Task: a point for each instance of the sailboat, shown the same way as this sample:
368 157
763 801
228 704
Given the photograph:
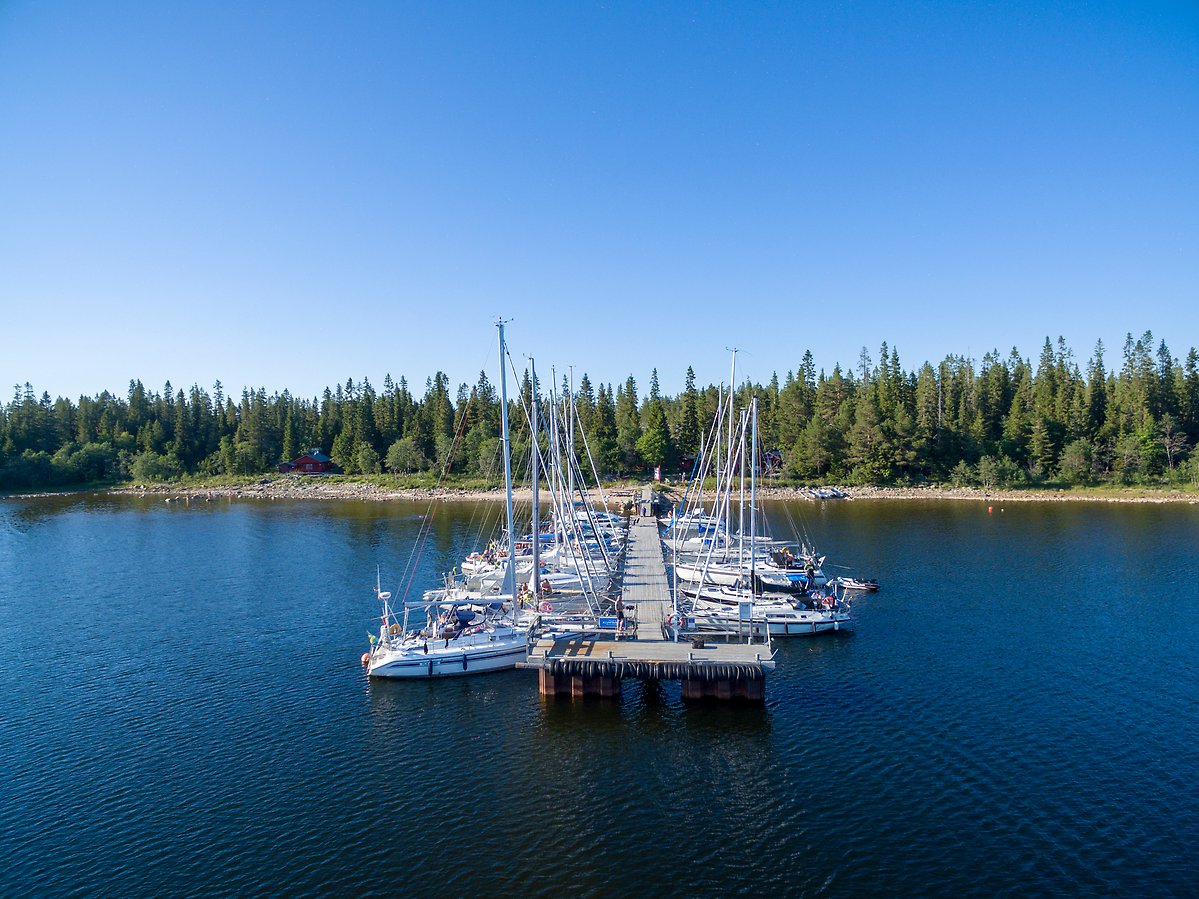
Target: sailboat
460 635
721 606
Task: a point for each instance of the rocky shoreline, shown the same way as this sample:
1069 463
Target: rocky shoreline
319 488
978 494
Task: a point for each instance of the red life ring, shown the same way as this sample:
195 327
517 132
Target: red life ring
546 607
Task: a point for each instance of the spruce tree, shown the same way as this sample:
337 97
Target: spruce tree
628 423
687 438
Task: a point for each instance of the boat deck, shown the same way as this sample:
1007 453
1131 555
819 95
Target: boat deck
584 661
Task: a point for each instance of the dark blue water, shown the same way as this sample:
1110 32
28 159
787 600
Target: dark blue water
183 711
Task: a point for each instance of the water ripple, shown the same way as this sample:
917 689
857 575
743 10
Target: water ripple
185 714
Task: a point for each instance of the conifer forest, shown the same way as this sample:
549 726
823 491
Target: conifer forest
1003 421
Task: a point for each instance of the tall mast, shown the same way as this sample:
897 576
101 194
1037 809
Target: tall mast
719 470
729 452
561 541
535 578
741 498
753 499
570 439
510 573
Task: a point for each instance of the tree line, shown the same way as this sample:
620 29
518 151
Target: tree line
1000 422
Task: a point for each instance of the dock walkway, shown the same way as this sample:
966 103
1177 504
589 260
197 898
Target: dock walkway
644 586
593 664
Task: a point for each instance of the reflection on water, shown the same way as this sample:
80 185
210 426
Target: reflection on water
185 712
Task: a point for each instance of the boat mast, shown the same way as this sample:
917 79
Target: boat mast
753 499
535 578
719 470
510 573
741 499
729 451
570 439
554 474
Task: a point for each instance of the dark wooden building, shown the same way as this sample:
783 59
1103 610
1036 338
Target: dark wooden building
312 462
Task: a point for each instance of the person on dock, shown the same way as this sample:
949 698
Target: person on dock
619 616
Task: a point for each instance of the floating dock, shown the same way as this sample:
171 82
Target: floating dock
580 665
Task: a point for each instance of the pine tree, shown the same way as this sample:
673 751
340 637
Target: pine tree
290 448
1188 400
654 444
628 423
585 403
603 435
687 438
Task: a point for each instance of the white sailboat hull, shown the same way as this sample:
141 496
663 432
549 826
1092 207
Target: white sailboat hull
790 579
781 619
412 661
799 625
716 574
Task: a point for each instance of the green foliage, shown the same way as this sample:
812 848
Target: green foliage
1009 472
490 459
654 444
687 435
999 471
962 475
152 466
405 456
1000 422
628 424
367 458
1190 471
1077 462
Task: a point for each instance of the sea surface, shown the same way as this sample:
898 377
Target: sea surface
183 712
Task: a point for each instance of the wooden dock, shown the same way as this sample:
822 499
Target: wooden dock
594 664
644 588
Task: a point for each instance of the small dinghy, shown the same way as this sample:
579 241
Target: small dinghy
864 585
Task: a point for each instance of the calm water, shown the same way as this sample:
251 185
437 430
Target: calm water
183 712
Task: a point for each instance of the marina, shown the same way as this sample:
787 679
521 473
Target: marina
580 665
618 615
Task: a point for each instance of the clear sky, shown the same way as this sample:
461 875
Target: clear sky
288 195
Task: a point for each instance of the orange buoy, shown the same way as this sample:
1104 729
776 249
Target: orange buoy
988 510
366 659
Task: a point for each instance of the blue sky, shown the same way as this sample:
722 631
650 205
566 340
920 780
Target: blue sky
287 195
